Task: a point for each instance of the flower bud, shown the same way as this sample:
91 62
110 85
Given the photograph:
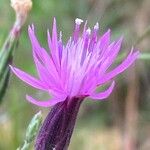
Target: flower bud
21 7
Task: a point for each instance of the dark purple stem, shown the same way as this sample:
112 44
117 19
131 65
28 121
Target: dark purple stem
58 126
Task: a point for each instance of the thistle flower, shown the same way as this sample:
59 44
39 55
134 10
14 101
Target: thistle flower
77 68
71 73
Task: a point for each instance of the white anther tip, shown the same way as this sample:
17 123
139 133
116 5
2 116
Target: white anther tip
78 21
60 35
88 31
96 27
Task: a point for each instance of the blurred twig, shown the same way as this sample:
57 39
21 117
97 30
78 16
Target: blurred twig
31 131
4 82
131 111
142 56
143 36
6 54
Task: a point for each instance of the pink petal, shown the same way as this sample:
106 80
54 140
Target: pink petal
47 103
48 77
29 79
110 55
53 45
41 55
123 66
35 44
104 42
39 52
113 52
103 95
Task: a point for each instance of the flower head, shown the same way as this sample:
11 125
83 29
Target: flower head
77 68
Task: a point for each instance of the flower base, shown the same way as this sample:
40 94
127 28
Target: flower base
58 126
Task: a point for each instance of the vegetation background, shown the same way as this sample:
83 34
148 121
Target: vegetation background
121 122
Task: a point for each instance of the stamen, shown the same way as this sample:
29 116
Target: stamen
96 27
94 37
60 36
77 28
84 28
86 44
87 38
78 21
88 31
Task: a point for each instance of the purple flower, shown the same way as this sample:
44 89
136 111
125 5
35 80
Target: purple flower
77 68
71 73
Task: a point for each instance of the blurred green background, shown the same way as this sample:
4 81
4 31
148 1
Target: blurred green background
121 122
